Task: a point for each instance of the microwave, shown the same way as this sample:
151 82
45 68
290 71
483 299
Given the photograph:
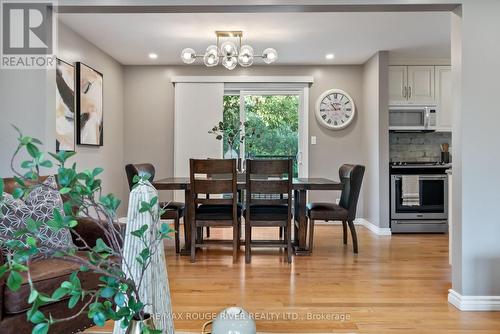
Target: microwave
413 118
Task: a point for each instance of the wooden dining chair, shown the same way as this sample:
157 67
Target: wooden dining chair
173 210
268 177
215 199
351 177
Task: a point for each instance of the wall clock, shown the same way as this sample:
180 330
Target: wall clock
335 109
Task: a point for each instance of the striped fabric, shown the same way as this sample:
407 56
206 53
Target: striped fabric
154 290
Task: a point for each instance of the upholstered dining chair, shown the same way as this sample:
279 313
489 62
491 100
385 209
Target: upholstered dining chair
269 177
214 191
173 210
351 177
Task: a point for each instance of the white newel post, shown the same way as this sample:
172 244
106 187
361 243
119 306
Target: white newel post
154 290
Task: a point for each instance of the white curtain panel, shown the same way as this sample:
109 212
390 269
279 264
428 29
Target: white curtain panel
154 290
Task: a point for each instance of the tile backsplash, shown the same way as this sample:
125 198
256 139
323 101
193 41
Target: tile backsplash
417 146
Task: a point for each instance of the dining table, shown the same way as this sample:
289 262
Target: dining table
301 186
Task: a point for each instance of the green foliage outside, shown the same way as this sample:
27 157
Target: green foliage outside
274 117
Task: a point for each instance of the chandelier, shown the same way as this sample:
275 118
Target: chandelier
229 53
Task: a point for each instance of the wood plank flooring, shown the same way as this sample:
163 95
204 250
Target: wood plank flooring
396 284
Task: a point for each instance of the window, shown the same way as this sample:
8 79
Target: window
272 125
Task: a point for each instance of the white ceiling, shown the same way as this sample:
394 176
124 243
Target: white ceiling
299 38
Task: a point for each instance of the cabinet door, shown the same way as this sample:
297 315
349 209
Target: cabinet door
398 78
421 84
444 98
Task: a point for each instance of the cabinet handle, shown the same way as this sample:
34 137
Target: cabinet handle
409 92
404 92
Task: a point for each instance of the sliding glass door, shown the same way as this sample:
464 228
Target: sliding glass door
272 122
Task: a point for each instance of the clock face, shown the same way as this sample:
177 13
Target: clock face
335 109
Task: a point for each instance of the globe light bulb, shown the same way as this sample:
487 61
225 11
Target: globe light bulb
228 49
229 62
245 58
269 55
188 56
211 57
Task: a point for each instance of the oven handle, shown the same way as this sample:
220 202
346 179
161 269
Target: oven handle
425 177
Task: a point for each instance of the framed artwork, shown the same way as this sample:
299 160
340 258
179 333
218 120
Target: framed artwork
89 105
65 106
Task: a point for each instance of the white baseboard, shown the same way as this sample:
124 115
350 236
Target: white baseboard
363 222
473 303
374 228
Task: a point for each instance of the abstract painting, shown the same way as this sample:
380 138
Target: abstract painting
89 104
65 106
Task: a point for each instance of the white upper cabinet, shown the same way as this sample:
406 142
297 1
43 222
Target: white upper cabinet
444 98
411 85
398 79
421 85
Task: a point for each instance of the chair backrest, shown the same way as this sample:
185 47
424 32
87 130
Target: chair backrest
269 177
214 177
137 169
351 177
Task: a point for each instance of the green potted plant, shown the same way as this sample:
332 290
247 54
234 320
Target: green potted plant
117 296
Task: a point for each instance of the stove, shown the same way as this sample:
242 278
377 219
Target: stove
419 196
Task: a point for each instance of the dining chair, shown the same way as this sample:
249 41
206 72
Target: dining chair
214 192
351 177
173 210
268 177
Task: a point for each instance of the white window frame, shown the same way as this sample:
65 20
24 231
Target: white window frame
300 89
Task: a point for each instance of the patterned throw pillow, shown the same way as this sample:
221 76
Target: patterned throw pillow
38 205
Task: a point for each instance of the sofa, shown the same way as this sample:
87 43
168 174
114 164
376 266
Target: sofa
47 275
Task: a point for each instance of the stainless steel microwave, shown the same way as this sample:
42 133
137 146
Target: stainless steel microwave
413 118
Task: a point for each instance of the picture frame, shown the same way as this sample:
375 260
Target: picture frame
65 106
89 105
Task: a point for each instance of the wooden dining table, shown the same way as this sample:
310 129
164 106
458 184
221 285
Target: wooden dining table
301 186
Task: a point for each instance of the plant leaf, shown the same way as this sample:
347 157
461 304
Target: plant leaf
42 328
14 281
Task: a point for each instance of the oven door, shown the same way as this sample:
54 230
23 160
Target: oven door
431 204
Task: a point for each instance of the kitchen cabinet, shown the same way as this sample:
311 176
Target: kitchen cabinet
444 98
411 85
421 84
398 80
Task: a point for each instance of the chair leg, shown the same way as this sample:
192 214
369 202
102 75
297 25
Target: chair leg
239 234
289 241
200 234
311 235
281 233
248 239
177 237
193 242
344 227
354 237
235 241
208 231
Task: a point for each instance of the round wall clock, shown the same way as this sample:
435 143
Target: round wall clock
335 109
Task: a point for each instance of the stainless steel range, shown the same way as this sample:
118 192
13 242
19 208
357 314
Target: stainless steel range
419 197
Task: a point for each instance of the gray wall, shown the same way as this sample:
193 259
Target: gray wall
476 258
24 99
149 112
72 48
375 141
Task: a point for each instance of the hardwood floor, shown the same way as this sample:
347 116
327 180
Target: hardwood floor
396 284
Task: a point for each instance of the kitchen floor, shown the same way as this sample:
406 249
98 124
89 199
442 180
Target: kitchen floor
396 284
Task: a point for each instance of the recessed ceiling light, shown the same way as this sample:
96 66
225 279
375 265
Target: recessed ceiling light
153 56
330 56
